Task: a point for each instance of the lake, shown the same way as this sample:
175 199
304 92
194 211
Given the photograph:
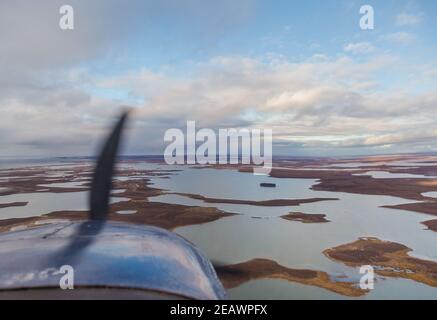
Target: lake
259 232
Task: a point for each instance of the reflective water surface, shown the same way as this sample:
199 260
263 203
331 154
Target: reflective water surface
260 232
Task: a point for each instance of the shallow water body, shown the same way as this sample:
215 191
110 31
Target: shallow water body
260 232
294 244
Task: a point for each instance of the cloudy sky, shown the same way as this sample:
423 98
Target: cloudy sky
303 68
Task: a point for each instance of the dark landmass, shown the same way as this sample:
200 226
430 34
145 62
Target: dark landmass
423 170
429 207
234 275
431 224
164 215
389 259
305 217
346 181
7 224
396 187
267 203
137 190
13 204
422 207
31 180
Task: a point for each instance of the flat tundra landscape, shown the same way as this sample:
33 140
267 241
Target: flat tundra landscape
302 232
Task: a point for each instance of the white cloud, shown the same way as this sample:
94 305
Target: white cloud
359 48
311 104
50 107
405 19
329 103
401 37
